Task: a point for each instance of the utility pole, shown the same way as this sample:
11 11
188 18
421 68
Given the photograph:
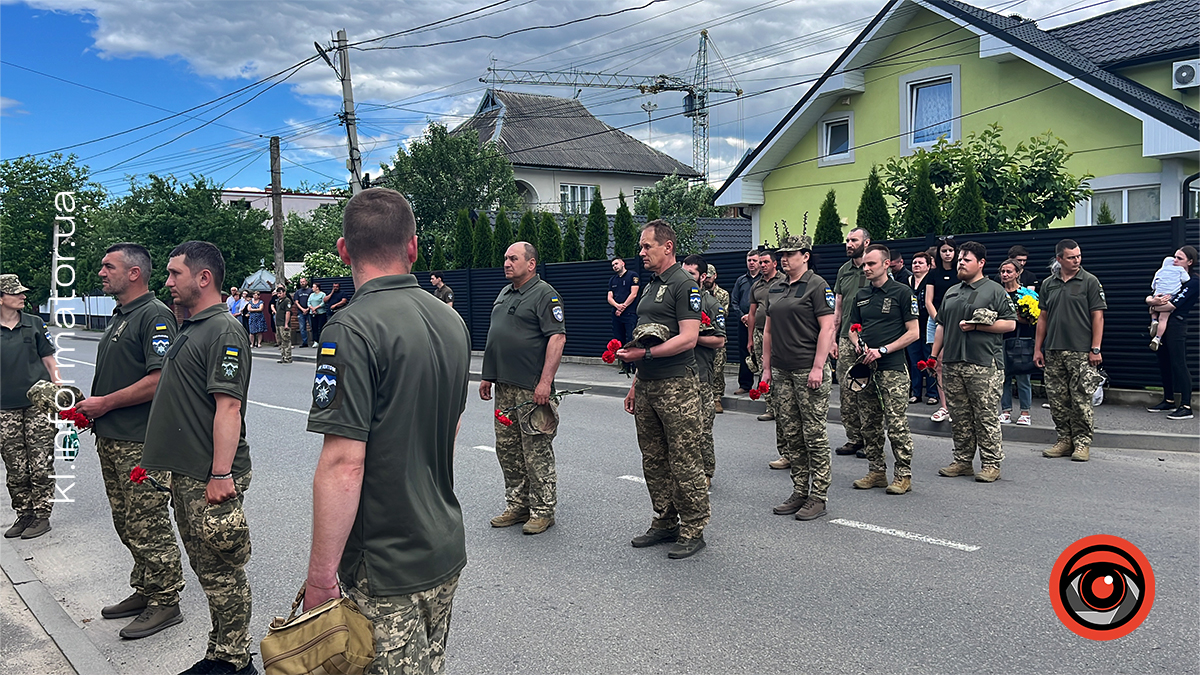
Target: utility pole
277 209
354 164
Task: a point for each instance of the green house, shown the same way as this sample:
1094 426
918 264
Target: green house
1115 87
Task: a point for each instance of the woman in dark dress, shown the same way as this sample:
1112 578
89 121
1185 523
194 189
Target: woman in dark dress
1172 355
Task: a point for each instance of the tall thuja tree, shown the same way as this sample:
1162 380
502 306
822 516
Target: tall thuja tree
528 230
482 241
464 248
967 213
419 265
550 239
571 250
873 208
595 235
502 238
439 257
923 215
625 234
829 225
652 209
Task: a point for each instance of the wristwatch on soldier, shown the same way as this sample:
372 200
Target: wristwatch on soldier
1095 350
883 350
648 356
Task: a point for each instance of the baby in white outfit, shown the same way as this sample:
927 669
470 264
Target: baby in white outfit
1167 281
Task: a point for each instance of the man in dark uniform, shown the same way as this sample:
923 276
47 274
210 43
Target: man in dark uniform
711 339
622 295
887 311
665 398
303 317
850 279
524 348
129 362
390 388
440 290
283 323
337 300
196 443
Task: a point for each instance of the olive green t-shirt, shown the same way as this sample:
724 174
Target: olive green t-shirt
523 320
959 304
883 312
758 295
850 279
21 351
1071 303
445 294
281 306
133 346
669 298
706 356
392 371
210 355
794 309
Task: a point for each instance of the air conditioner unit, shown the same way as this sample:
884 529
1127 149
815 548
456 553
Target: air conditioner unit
1185 74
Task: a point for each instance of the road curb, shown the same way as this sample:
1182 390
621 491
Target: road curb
80 652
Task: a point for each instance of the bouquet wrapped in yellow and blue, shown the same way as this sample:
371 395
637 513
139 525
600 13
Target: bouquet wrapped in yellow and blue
1027 305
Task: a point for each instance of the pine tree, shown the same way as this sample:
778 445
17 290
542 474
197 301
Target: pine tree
464 249
1104 215
595 235
482 240
550 238
966 215
502 238
652 210
873 208
923 215
571 251
528 230
419 265
625 234
829 225
439 258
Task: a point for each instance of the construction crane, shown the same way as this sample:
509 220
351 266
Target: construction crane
695 101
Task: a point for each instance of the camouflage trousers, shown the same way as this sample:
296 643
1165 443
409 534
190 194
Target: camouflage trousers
758 358
668 420
851 403
410 630
527 461
284 336
708 413
884 403
800 416
219 562
142 517
27 445
1070 405
972 395
718 377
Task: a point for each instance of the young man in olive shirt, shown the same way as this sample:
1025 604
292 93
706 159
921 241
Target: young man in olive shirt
887 311
196 437
441 290
523 350
665 399
850 279
390 388
283 323
768 266
129 362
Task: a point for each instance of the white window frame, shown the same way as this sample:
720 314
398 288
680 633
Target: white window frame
638 190
1123 183
565 201
909 83
823 156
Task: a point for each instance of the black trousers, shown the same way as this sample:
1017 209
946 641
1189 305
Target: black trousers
623 325
1173 363
745 377
318 322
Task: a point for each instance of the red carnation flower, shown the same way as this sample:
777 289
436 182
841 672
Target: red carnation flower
613 345
138 475
609 356
75 417
764 387
922 365
503 419
856 327
755 394
704 320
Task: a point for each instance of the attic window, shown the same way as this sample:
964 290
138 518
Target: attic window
836 140
929 107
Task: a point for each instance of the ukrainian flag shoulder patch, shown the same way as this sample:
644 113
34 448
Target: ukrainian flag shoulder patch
232 351
328 349
160 326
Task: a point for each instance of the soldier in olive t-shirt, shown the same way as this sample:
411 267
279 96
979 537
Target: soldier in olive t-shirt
134 345
958 305
522 321
668 298
883 313
793 310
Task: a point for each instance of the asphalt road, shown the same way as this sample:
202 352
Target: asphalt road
769 595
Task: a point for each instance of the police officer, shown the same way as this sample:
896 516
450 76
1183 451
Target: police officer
622 297
283 323
524 348
665 398
768 275
196 444
441 290
26 356
390 387
1069 332
712 334
969 348
129 362
850 279
798 340
887 311
720 358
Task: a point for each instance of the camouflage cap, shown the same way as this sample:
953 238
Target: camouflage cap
223 527
712 272
10 284
983 316
49 399
647 335
795 242
539 419
1091 379
860 375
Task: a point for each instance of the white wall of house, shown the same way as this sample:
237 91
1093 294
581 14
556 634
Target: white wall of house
542 187
301 203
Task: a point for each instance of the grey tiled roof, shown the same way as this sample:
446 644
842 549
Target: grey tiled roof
1146 30
551 132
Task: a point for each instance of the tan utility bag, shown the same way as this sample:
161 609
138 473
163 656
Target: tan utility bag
333 639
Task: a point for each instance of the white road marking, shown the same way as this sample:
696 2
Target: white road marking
925 539
485 448
63 358
635 479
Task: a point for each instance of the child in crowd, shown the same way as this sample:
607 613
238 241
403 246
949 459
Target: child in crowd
1167 282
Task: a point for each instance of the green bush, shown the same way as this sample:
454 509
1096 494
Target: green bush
502 237
595 235
829 225
550 238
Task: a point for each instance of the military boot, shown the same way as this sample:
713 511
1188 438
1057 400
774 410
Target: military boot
791 505
957 469
873 479
655 536
1081 454
781 463
37 528
537 525
717 407
686 548
19 526
988 474
849 448
510 517
152 619
131 606
900 485
1062 448
813 508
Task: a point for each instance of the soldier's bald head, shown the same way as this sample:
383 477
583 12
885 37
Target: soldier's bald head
377 225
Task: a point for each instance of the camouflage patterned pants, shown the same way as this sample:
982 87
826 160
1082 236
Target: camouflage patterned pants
284 336
530 481
708 411
972 394
142 516
851 403
1070 405
718 377
667 417
410 630
220 565
27 444
800 416
758 358
889 413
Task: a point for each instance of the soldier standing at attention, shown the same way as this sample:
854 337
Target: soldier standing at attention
1069 332
197 435
665 398
887 310
970 352
129 362
524 348
27 442
283 323
850 279
799 338
768 274
739 312
390 388
441 290
720 358
622 294
712 334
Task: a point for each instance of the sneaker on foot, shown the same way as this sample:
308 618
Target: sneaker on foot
813 508
766 417
152 619
740 392
655 536
793 504
1165 406
1024 420
1181 413
131 606
37 528
849 448
1006 417
686 548
1154 343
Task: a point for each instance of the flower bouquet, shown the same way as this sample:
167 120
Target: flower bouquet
610 351
757 392
1027 305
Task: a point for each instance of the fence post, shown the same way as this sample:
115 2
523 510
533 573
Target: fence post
1178 235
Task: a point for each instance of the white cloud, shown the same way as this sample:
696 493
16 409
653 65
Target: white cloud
10 107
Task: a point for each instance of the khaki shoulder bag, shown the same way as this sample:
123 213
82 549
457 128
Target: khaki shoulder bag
333 639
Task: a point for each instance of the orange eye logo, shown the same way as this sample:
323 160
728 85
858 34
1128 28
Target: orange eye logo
1102 587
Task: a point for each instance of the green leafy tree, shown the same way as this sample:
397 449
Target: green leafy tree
529 229
923 215
595 235
319 264
681 204
872 208
571 249
439 257
464 245
649 208
550 239
317 230
966 215
484 253
625 233
502 236
1104 215
829 225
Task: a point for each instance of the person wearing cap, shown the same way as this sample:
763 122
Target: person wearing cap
522 354
26 356
768 268
129 364
720 358
390 388
799 338
887 311
196 438
282 309
710 340
969 347
850 279
665 397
